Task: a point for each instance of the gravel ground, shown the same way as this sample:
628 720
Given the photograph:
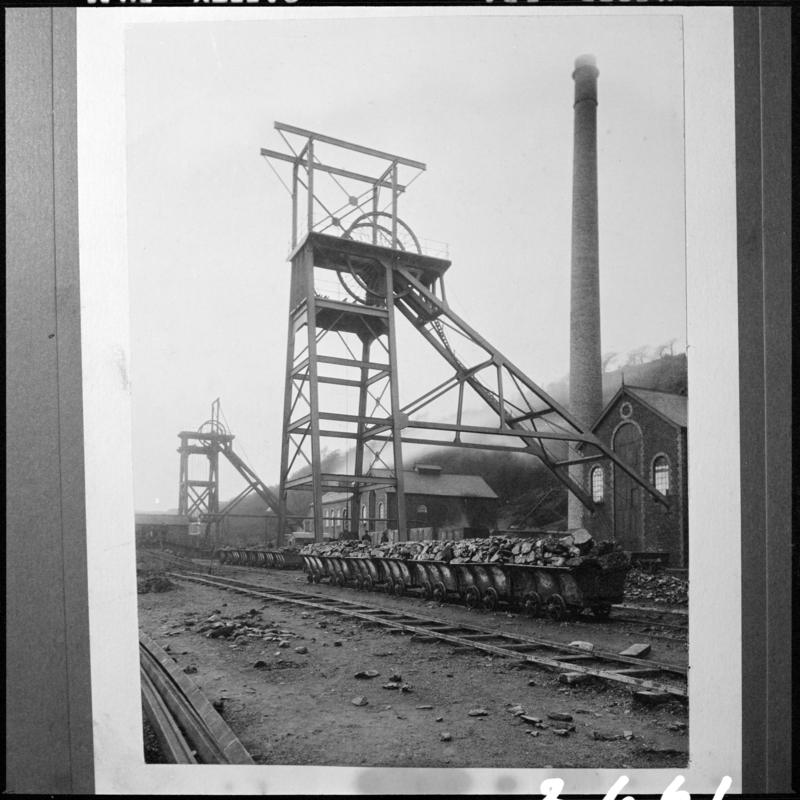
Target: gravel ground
291 706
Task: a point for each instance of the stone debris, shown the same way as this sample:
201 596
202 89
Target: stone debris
359 701
560 731
606 737
368 673
532 733
637 650
677 726
439 719
569 549
560 717
588 646
190 670
478 712
445 736
627 735
515 710
424 708
392 685
241 629
656 587
301 650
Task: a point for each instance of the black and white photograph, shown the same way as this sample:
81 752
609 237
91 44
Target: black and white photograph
407 392
452 378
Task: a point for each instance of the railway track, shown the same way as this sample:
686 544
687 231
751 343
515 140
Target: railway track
633 673
664 618
188 729
670 622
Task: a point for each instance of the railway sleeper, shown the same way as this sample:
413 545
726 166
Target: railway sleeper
467 638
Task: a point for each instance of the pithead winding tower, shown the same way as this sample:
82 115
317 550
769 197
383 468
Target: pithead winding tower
354 265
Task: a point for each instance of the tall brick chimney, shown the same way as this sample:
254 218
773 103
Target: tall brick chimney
585 377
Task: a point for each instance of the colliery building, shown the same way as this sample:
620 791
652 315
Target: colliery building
647 430
158 529
439 505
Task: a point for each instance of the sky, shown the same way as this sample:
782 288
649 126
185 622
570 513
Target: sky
485 102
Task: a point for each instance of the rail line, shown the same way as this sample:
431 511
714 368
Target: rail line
632 614
666 618
633 673
186 725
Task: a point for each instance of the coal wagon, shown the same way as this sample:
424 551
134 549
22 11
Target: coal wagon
555 591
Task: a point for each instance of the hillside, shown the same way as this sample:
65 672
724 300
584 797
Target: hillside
665 374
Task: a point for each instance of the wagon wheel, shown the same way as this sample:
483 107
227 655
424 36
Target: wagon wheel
533 604
601 610
427 590
439 592
556 608
366 584
399 588
490 599
472 597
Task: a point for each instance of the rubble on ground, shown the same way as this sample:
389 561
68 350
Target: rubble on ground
656 587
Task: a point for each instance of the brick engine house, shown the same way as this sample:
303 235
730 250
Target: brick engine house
647 429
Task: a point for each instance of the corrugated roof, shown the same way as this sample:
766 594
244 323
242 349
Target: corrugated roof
445 485
671 406
334 497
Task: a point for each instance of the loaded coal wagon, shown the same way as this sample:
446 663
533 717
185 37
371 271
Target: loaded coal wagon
564 581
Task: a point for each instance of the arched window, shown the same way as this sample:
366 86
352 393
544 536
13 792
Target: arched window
661 474
380 510
597 484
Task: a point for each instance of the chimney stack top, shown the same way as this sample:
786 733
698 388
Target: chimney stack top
585 77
